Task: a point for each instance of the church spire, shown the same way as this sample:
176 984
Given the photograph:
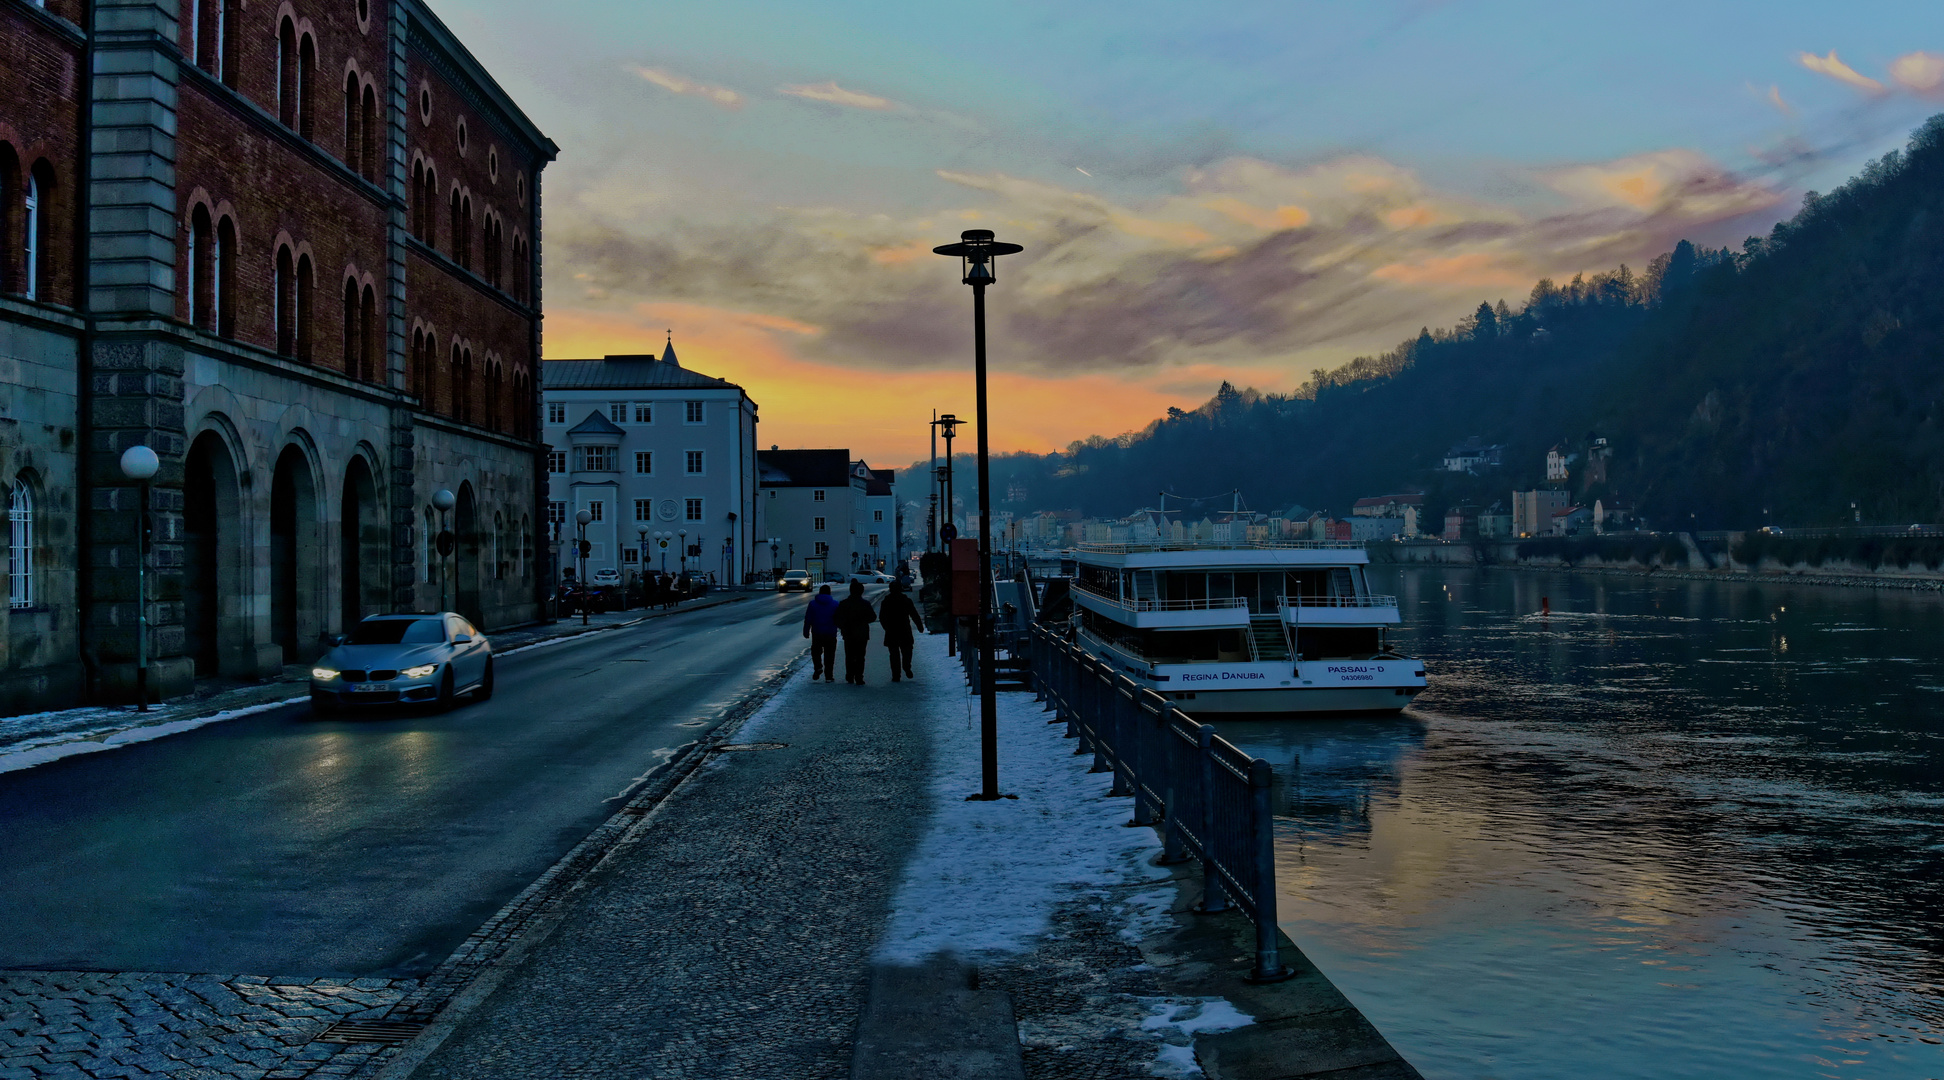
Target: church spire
668 352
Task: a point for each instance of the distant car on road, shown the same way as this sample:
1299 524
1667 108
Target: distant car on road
606 575
424 658
872 577
794 579
1772 530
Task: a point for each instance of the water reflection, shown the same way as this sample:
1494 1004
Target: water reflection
1665 829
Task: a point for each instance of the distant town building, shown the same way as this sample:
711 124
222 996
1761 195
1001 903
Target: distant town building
880 527
644 444
1494 523
1532 511
1461 523
1376 528
1571 520
1386 505
818 506
1559 465
1614 516
1472 455
1597 452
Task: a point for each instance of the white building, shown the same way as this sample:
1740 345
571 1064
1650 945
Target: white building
818 507
881 530
642 443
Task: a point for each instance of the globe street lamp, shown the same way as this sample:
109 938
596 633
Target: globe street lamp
442 501
977 253
948 425
139 463
581 518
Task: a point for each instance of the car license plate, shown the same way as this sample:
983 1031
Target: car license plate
371 688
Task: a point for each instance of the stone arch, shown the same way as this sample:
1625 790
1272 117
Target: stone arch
296 555
466 555
216 556
364 559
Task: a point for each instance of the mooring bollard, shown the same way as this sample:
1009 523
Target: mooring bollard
1262 827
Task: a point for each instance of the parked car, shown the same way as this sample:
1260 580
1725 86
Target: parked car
795 579
417 658
606 575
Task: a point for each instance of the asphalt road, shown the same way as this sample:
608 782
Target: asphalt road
279 844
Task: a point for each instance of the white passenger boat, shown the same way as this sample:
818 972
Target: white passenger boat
1258 627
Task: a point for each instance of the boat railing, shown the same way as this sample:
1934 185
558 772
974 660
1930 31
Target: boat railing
1131 604
1211 801
1140 546
1373 600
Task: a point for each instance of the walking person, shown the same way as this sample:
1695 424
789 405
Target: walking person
820 626
899 617
854 619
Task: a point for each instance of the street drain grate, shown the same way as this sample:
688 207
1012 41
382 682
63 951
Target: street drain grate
729 747
388 1032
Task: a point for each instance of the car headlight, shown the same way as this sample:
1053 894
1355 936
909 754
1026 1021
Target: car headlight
420 671
323 674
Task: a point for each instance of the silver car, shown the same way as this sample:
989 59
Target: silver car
404 658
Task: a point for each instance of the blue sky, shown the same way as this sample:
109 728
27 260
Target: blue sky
1244 191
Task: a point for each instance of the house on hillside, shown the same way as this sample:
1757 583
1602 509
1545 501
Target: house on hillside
1461 523
1494 523
1532 511
1571 521
1471 456
1614 516
1559 464
1391 506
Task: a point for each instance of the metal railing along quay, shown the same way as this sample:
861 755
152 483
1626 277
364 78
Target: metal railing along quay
1211 800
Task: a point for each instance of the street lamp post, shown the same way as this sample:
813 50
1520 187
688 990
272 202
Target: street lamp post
949 425
139 463
977 252
442 501
553 583
642 532
661 543
681 554
581 518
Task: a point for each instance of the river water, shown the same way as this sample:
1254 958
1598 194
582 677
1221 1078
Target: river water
1672 829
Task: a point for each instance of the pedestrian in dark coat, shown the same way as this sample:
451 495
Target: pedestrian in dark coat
900 619
854 619
820 626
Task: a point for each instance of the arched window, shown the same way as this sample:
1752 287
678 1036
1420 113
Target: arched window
463 242
353 339
460 384
306 314
306 76
284 298
428 368
493 395
354 135
223 47
20 545
431 236
370 371
520 266
30 247
368 124
287 73
493 251
203 259
222 280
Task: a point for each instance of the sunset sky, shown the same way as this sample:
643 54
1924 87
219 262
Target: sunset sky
1243 191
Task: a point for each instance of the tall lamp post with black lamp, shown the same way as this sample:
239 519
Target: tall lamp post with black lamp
681 556
977 253
139 463
442 501
581 518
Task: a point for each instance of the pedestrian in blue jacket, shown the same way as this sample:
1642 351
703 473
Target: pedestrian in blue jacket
820 626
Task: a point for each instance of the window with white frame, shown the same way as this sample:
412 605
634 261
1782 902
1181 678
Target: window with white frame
692 510
874 541
20 545
877 515
823 549
695 462
618 411
556 412
630 556
597 458
595 510
644 412
32 239
817 524
556 461
694 411
644 509
645 462
556 513
817 495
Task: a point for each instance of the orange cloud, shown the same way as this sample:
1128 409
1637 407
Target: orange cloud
1836 69
682 84
880 416
1282 217
1412 217
833 94
1476 269
1921 72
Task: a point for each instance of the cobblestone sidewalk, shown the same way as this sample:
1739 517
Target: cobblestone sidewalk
77 1024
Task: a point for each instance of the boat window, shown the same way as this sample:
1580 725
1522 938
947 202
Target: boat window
1340 582
1187 586
1268 592
1144 585
1221 586
1308 583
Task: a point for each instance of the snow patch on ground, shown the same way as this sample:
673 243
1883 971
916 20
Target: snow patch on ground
87 734
1178 1020
986 877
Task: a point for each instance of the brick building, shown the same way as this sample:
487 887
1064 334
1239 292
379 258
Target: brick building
306 273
